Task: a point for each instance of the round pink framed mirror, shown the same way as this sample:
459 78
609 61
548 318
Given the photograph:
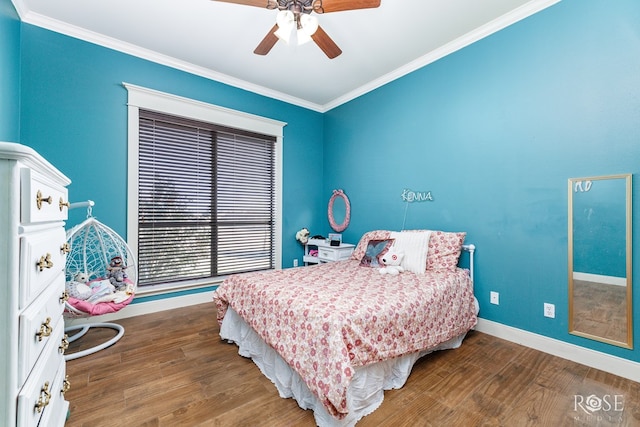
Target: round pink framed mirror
341 197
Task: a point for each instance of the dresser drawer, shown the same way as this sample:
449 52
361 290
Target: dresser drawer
334 253
42 200
40 323
55 414
41 260
36 396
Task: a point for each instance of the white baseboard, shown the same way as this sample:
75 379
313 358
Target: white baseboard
605 362
149 307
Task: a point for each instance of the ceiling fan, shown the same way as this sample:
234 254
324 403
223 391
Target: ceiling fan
296 15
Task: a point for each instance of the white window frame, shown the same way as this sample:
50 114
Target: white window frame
149 99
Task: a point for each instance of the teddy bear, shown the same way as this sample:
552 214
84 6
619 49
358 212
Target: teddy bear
116 273
78 288
392 261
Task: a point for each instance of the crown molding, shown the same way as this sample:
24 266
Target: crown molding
492 27
486 30
57 26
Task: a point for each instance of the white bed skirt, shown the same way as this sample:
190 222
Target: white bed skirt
365 393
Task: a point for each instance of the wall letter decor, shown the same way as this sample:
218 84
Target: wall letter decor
416 196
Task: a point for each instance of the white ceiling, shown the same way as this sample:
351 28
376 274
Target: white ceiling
216 40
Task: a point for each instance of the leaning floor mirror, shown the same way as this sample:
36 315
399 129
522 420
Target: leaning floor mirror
600 259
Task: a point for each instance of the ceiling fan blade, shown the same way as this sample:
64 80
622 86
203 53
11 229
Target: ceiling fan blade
267 42
340 5
257 3
324 42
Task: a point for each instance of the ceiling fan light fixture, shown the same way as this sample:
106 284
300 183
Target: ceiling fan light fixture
285 18
297 15
309 24
286 22
283 34
302 37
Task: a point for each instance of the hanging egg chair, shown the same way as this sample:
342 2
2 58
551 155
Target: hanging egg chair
101 277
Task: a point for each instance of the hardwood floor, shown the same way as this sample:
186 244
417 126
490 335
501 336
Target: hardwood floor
172 369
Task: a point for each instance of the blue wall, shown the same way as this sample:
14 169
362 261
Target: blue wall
494 131
9 72
74 114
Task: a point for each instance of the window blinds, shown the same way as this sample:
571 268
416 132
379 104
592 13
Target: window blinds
206 200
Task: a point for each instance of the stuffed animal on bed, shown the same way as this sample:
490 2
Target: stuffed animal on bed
392 261
116 273
78 288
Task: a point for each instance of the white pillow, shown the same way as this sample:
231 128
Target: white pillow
415 245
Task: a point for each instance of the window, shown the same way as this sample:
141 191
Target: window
206 194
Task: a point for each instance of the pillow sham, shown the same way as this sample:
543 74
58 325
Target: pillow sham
444 250
361 247
374 252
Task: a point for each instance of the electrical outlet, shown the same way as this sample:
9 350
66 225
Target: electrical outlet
549 310
495 298
295 262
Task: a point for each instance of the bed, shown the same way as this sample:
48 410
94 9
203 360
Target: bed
334 336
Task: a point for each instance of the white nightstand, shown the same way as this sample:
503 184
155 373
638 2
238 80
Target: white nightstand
326 252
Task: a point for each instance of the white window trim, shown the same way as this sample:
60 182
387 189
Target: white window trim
149 99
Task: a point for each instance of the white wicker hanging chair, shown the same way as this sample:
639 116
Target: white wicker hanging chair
92 246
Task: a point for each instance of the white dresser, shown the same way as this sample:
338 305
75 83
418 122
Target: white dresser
33 208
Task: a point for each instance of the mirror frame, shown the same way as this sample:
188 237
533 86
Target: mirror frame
628 245
339 228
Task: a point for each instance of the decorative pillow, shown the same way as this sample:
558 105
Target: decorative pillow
361 247
414 245
374 253
444 250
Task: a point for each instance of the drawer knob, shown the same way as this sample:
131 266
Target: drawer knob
40 199
64 297
64 344
45 262
65 248
45 329
62 204
66 384
45 397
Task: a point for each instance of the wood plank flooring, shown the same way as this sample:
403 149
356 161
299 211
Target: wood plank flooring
172 369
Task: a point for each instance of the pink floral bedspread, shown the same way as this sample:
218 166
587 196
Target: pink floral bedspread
327 319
